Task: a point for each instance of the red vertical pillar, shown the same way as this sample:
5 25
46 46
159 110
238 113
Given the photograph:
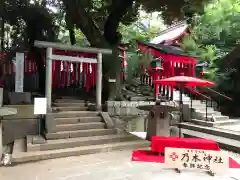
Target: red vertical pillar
180 68
62 68
87 77
124 64
66 74
83 74
57 73
71 70
53 75
173 74
94 73
190 69
156 85
77 73
74 73
164 76
193 70
90 75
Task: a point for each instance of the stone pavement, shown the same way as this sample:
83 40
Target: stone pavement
105 166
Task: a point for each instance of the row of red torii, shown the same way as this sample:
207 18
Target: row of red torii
64 73
171 65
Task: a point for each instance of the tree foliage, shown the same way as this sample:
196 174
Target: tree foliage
215 33
98 20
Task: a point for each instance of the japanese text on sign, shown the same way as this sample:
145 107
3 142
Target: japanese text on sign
216 161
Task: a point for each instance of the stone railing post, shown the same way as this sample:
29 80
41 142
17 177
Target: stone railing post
99 83
48 88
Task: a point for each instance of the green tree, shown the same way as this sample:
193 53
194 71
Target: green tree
215 33
97 20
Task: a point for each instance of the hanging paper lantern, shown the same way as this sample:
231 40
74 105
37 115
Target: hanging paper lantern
71 67
62 66
90 68
81 67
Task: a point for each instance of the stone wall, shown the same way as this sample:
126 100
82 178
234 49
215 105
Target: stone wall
125 108
126 116
20 125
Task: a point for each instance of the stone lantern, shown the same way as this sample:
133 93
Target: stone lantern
159 119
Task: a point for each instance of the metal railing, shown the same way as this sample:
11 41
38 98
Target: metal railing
216 98
218 93
204 97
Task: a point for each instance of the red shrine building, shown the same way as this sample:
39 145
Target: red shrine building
170 60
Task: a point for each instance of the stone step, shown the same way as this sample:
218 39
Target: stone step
214 124
70 97
64 104
80 126
141 98
71 108
223 142
22 157
69 100
234 135
200 108
202 114
75 120
80 133
72 114
19 145
217 118
79 141
194 102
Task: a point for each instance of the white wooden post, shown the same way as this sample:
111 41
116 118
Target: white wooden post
99 83
19 72
48 85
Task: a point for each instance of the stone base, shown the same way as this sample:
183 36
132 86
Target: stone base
19 98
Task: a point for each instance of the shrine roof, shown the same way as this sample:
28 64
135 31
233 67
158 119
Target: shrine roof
166 49
171 33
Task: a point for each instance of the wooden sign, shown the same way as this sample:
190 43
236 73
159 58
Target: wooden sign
40 106
206 160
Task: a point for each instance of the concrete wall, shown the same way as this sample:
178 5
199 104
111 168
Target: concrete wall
20 125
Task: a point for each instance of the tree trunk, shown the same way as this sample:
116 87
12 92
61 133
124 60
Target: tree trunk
2 4
86 24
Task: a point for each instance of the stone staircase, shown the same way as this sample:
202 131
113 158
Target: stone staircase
222 129
211 127
78 131
214 118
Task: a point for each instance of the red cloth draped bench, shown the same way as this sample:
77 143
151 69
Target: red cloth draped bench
159 143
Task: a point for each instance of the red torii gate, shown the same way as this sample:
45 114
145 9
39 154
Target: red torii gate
173 61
